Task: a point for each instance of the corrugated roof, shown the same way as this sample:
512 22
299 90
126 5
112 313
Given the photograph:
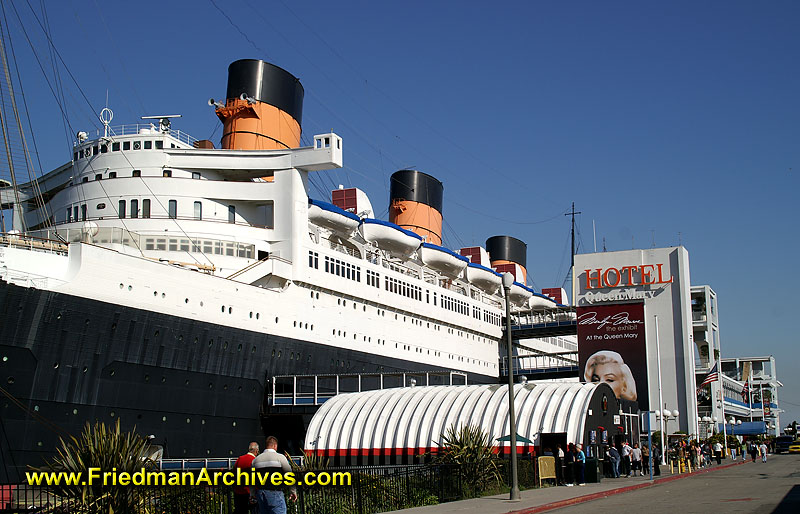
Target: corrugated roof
390 421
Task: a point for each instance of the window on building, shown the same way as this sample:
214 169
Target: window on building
146 208
103 148
75 211
137 173
69 215
85 179
196 175
99 176
126 145
83 212
122 208
115 147
159 145
198 210
112 174
173 209
231 214
148 145
134 208
167 173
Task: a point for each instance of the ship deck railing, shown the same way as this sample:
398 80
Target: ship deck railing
145 129
33 243
314 390
541 363
210 463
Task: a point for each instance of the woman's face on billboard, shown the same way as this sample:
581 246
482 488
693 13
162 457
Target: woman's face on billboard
611 374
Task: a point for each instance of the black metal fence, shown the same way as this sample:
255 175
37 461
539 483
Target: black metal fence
372 489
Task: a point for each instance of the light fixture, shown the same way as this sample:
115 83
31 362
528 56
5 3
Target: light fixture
675 413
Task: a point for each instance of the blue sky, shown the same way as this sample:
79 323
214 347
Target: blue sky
662 121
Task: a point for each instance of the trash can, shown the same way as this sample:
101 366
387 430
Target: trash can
592 472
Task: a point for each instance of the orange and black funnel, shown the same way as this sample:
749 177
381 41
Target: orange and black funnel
415 203
263 108
505 252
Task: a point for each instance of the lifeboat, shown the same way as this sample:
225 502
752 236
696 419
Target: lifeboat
445 261
396 240
485 279
333 218
519 294
540 302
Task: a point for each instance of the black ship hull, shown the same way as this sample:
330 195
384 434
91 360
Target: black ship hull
197 387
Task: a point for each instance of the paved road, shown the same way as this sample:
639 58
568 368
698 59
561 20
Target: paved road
751 487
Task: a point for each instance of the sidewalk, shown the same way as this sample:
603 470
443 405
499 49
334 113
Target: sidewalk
550 498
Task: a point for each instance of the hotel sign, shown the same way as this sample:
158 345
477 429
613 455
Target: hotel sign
626 276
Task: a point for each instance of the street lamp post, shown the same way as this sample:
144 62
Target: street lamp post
508 280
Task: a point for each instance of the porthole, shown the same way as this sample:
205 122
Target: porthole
113 325
225 345
185 300
276 320
233 424
365 308
230 310
312 295
130 288
155 293
38 443
273 353
279 354
257 316
74 411
253 350
201 304
223 309
317 296
338 301
11 380
112 372
312 327
225 387
295 324
155 334
239 349
36 408
251 314
55 365
112 413
211 343
188 420
163 418
210 385
163 379
163 295
239 389
186 382
344 303
147 378
306 326
121 286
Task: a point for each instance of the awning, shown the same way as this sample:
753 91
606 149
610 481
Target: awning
746 428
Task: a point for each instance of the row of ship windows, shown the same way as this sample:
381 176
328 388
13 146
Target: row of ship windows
147 144
414 321
136 173
74 214
393 285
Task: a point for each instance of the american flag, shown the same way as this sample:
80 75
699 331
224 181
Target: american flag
746 389
712 376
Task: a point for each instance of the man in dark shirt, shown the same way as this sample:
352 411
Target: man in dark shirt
241 494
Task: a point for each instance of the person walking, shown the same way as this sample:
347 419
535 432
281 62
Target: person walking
559 465
753 450
646 457
569 465
718 452
626 459
763 450
615 459
241 493
733 446
636 459
656 456
580 464
270 498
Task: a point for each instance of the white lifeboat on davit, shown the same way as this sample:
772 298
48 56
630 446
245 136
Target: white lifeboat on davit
333 218
396 240
445 261
485 279
538 302
519 294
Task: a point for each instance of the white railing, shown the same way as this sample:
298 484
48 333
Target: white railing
146 129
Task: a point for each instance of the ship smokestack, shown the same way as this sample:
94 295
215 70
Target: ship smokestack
506 253
263 107
415 203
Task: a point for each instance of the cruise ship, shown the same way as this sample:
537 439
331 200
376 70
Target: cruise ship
162 281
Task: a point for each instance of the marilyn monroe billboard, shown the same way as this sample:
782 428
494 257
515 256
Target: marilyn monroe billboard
611 349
